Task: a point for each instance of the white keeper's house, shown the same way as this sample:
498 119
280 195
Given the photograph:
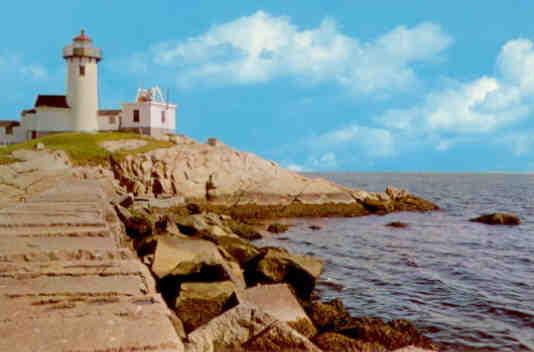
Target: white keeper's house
78 111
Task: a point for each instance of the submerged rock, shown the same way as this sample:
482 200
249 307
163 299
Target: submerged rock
199 302
277 265
278 228
498 219
397 224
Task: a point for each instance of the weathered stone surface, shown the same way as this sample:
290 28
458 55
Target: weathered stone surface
179 256
392 335
241 250
278 301
280 337
328 316
333 342
66 282
230 330
199 302
498 219
276 265
207 224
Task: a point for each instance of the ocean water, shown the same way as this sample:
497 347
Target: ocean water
469 286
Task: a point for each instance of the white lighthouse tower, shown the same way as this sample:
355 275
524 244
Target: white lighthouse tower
82 82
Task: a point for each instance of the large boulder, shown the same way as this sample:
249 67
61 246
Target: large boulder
276 265
199 302
230 330
207 224
498 219
182 257
280 337
278 301
333 342
241 250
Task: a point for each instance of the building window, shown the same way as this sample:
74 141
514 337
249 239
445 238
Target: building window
136 116
163 116
9 129
82 70
112 120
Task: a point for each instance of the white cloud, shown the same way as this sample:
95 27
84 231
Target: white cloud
14 65
481 107
262 47
375 142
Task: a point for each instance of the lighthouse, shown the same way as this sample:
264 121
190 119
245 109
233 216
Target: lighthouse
82 82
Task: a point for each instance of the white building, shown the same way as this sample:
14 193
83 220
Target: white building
78 110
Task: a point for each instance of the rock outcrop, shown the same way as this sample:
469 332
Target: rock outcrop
219 175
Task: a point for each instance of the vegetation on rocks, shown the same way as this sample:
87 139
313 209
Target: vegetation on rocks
85 148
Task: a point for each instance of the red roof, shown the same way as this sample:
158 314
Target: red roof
82 37
52 101
9 123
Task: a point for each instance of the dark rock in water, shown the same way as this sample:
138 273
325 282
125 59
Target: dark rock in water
498 219
331 341
276 265
397 224
199 302
315 227
392 335
278 228
328 316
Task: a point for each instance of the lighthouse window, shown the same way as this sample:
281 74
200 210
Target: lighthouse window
163 117
82 70
136 116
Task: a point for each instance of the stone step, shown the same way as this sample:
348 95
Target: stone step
51 221
24 245
23 270
47 231
12 308
85 285
104 332
70 255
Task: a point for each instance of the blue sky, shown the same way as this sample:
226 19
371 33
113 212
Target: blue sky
314 85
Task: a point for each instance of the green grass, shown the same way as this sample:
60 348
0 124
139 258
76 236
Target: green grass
84 148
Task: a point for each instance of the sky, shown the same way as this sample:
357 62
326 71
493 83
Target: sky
381 85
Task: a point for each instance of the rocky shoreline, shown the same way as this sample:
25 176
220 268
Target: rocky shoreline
191 212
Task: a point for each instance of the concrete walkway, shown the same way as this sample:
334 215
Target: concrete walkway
67 283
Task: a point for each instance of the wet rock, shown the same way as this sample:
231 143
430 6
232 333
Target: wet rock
243 230
379 205
241 250
328 316
277 228
230 330
278 301
397 224
280 337
277 265
199 302
204 224
332 342
315 227
498 219
392 335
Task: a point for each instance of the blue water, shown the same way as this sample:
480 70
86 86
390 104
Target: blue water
469 286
